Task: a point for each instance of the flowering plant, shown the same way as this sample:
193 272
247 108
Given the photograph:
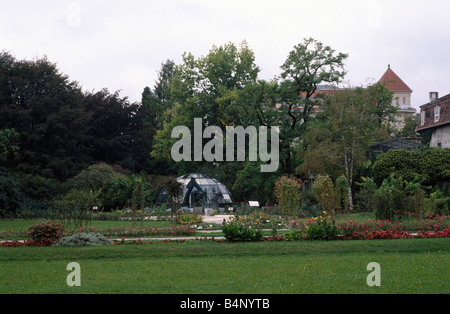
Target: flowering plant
47 233
319 228
240 230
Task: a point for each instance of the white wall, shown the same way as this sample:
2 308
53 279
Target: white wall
442 136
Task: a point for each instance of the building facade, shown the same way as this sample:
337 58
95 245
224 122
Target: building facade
434 121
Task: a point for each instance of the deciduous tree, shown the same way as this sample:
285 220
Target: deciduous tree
348 126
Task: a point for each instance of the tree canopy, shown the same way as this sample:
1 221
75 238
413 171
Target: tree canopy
51 130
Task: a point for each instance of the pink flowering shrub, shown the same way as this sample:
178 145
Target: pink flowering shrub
47 233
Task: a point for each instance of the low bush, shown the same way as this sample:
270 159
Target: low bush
188 219
83 239
47 233
238 230
316 228
259 216
320 228
394 198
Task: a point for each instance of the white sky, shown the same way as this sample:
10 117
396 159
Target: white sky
120 45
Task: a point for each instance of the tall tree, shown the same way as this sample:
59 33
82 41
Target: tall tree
202 88
6 146
289 103
309 64
117 130
43 106
346 129
157 101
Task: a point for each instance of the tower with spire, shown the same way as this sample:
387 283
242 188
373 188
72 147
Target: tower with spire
401 96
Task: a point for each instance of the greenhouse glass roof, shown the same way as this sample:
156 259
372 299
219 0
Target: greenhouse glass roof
200 190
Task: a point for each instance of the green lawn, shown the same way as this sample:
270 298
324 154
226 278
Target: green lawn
407 266
16 225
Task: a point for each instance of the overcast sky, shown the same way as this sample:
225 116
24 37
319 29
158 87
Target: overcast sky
120 45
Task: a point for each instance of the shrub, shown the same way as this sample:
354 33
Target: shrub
429 164
325 193
187 219
309 206
95 177
37 191
341 189
393 200
366 197
258 216
83 239
288 194
47 233
240 231
316 228
319 228
437 204
75 207
11 197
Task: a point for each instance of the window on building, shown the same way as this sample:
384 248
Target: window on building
422 117
437 113
404 100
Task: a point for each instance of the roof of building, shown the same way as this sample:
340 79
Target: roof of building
215 194
393 82
444 117
397 143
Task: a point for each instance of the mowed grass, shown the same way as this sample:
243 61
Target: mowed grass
407 266
19 225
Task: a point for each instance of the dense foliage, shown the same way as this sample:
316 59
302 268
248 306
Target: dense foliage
65 152
46 233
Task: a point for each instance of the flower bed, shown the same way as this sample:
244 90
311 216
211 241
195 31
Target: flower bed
385 229
375 229
173 231
317 228
10 234
28 242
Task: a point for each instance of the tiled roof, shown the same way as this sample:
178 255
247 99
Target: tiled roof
444 117
393 82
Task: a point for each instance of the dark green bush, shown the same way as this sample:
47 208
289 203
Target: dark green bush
322 229
430 164
240 231
10 195
366 196
394 199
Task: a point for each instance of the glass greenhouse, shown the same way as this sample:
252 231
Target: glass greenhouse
200 192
